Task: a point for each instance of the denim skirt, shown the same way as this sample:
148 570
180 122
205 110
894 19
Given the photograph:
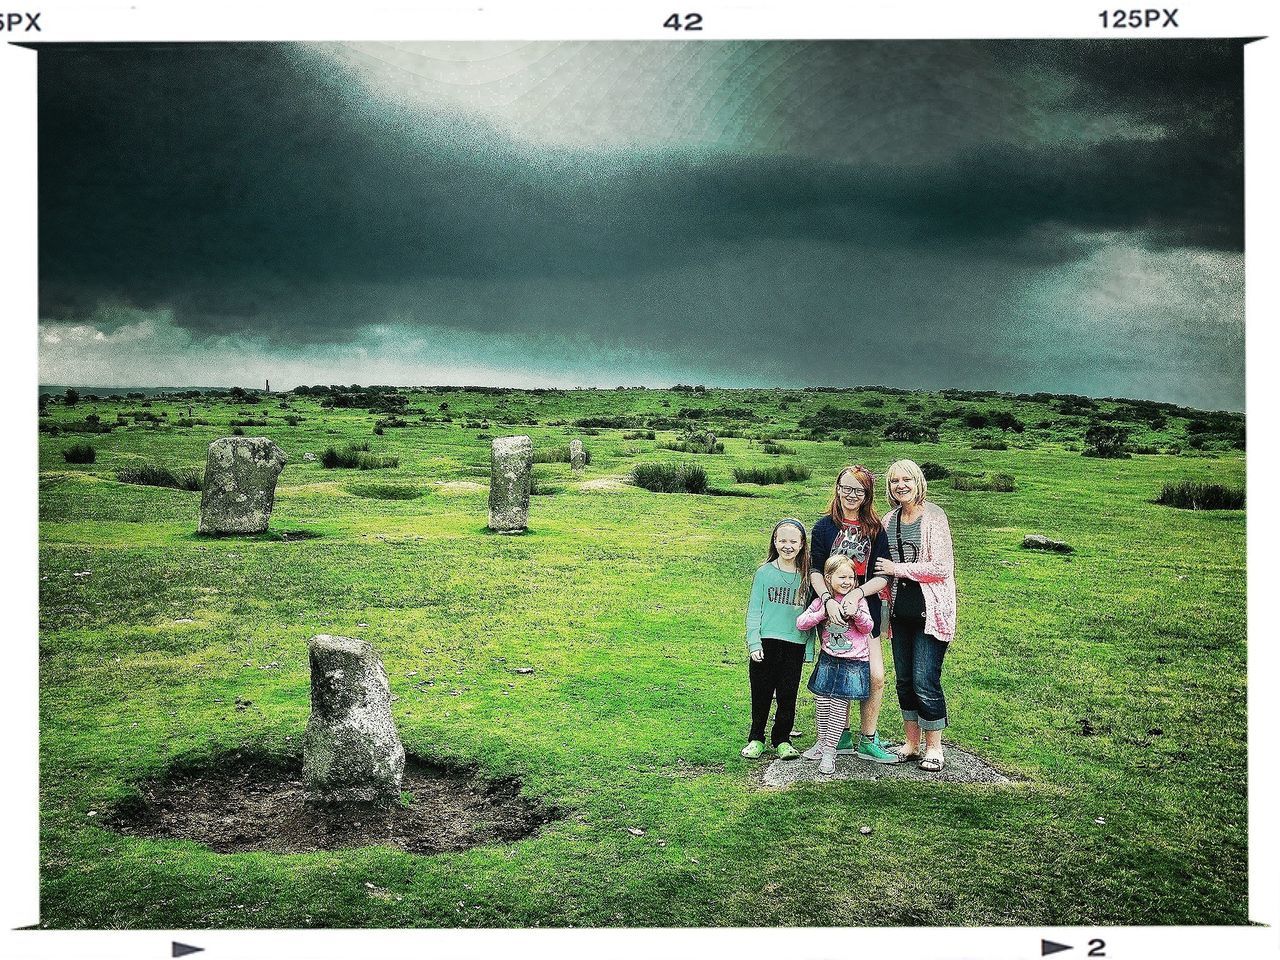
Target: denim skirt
840 678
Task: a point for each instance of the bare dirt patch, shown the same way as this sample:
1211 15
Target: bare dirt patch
253 801
605 483
961 767
460 486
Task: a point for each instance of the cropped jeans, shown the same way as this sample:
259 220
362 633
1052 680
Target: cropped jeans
917 666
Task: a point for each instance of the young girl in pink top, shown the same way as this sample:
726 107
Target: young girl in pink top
843 671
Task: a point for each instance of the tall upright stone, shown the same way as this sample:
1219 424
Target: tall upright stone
511 469
240 485
351 751
577 454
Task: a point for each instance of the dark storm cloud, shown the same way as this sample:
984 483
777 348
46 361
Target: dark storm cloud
245 190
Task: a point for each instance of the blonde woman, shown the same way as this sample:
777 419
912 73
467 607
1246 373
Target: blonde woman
922 609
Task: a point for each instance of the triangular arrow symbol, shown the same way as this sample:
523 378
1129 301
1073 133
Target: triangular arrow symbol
1048 946
182 949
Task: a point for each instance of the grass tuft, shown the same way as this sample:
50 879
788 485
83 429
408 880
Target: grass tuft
669 477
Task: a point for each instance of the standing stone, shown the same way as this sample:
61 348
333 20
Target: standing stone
240 485
509 479
577 455
351 751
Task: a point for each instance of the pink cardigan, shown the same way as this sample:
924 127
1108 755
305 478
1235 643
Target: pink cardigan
935 571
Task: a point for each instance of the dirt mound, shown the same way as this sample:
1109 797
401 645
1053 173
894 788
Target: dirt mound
252 801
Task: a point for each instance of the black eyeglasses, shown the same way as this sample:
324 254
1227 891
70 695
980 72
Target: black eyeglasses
856 492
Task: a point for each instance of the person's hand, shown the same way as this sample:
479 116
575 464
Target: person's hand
837 617
849 605
886 567
757 655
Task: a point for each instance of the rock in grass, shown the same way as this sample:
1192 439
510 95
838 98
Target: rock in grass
240 485
511 467
351 751
577 455
1037 542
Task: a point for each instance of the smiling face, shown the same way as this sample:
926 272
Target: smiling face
902 486
843 579
851 493
787 540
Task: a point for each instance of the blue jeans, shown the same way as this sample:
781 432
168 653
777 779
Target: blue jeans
917 666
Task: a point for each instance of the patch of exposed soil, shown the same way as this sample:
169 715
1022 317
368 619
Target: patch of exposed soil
254 801
961 767
606 483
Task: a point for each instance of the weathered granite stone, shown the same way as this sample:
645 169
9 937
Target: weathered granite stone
1037 542
577 455
509 479
351 751
309 457
240 485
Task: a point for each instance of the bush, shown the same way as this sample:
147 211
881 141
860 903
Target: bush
669 477
996 483
638 435
152 475
775 449
237 431
557 454
1107 441
80 453
1189 495
695 441
985 444
934 471
903 429
355 457
784 473
860 440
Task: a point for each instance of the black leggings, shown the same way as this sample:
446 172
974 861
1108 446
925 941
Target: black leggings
778 672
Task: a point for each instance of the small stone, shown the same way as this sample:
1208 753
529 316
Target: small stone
864 830
309 457
93 813
82 573
1100 820
184 620
523 670
635 831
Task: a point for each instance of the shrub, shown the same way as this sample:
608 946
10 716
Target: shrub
1189 495
377 429
237 431
775 449
80 453
695 441
985 444
783 473
934 471
152 475
557 454
903 429
1106 440
638 435
669 477
355 457
997 483
860 440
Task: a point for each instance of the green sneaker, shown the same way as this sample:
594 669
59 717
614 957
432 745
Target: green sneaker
869 748
753 750
845 746
787 752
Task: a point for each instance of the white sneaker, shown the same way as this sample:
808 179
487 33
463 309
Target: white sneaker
828 764
813 753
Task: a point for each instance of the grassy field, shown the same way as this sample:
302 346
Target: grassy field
1111 682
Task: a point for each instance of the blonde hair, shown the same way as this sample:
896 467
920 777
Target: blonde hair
912 470
834 563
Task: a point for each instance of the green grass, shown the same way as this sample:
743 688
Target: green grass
630 608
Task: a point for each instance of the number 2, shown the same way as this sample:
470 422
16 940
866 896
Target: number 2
1097 948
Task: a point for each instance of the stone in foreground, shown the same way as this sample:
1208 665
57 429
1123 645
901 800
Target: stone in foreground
511 467
351 751
1037 542
240 485
577 455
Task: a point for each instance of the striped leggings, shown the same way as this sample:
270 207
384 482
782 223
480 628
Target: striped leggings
833 717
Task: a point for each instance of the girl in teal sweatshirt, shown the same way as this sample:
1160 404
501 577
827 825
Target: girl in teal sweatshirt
777 649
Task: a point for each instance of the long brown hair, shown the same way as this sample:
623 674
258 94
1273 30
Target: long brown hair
867 515
802 558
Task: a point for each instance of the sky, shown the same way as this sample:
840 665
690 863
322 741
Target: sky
1063 216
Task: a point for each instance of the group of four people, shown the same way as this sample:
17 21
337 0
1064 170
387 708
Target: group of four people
836 590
